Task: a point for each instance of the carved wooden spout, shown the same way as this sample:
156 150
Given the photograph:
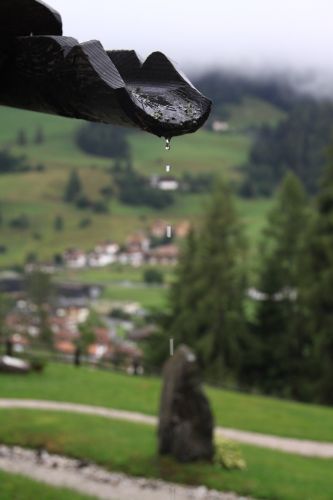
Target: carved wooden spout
42 70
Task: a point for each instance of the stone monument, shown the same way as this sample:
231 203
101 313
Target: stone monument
185 420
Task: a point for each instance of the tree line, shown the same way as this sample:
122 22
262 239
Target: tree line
298 144
284 347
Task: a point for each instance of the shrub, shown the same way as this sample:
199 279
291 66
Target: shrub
228 454
153 276
83 202
100 207
20 222
85 222
37 364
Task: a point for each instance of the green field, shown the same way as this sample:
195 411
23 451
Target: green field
252 113
151 297
131 448
39 194
115 390
15 487
113 274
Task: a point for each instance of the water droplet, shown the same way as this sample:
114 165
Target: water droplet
169 231
167 168
167 144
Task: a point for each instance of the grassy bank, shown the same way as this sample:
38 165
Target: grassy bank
15 487
131 448
115 390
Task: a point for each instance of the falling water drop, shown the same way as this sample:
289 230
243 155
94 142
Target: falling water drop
167 168
167 144
169 231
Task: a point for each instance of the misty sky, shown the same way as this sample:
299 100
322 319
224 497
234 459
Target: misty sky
194 33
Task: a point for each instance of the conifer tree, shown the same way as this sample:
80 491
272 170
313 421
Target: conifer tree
318 289
58 223
21 139
39 136
207 299
73 188
281 342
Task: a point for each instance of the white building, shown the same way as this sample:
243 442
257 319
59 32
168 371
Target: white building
101 259
75 259
220 126
166 183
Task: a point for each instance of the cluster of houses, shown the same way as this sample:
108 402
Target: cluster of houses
139 249
65 315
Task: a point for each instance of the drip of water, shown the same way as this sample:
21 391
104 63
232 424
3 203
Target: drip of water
171 347
167 144
169 231
167 168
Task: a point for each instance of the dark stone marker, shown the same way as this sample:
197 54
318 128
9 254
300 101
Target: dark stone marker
77 356
9 347
185 421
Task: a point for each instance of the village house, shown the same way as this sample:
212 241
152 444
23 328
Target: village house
158 228
164 183
75 259
137 246
96 259
164 255
76 294
182 229
220 126
104 254
11 282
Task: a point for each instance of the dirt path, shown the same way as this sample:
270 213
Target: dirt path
92 480
288 445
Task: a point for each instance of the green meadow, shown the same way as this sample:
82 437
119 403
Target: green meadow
62 382
131 447
39 195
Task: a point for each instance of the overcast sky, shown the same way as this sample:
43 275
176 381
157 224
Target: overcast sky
195 33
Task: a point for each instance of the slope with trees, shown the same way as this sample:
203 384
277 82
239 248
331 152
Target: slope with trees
298 144
280 343
318 289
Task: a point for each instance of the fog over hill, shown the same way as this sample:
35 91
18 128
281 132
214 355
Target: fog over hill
254 37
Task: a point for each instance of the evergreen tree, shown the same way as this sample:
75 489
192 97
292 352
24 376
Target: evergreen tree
4 309
87 330
21 139
318 289
280 341
40 290
58 223
39 136
103 140
73 188
207 299
10 163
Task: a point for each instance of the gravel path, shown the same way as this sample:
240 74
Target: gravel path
288 445
97 482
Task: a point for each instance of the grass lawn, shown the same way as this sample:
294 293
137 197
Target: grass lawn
131 448
15 487
241 411
151 297
113 273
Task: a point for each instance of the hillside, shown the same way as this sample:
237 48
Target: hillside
38 194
